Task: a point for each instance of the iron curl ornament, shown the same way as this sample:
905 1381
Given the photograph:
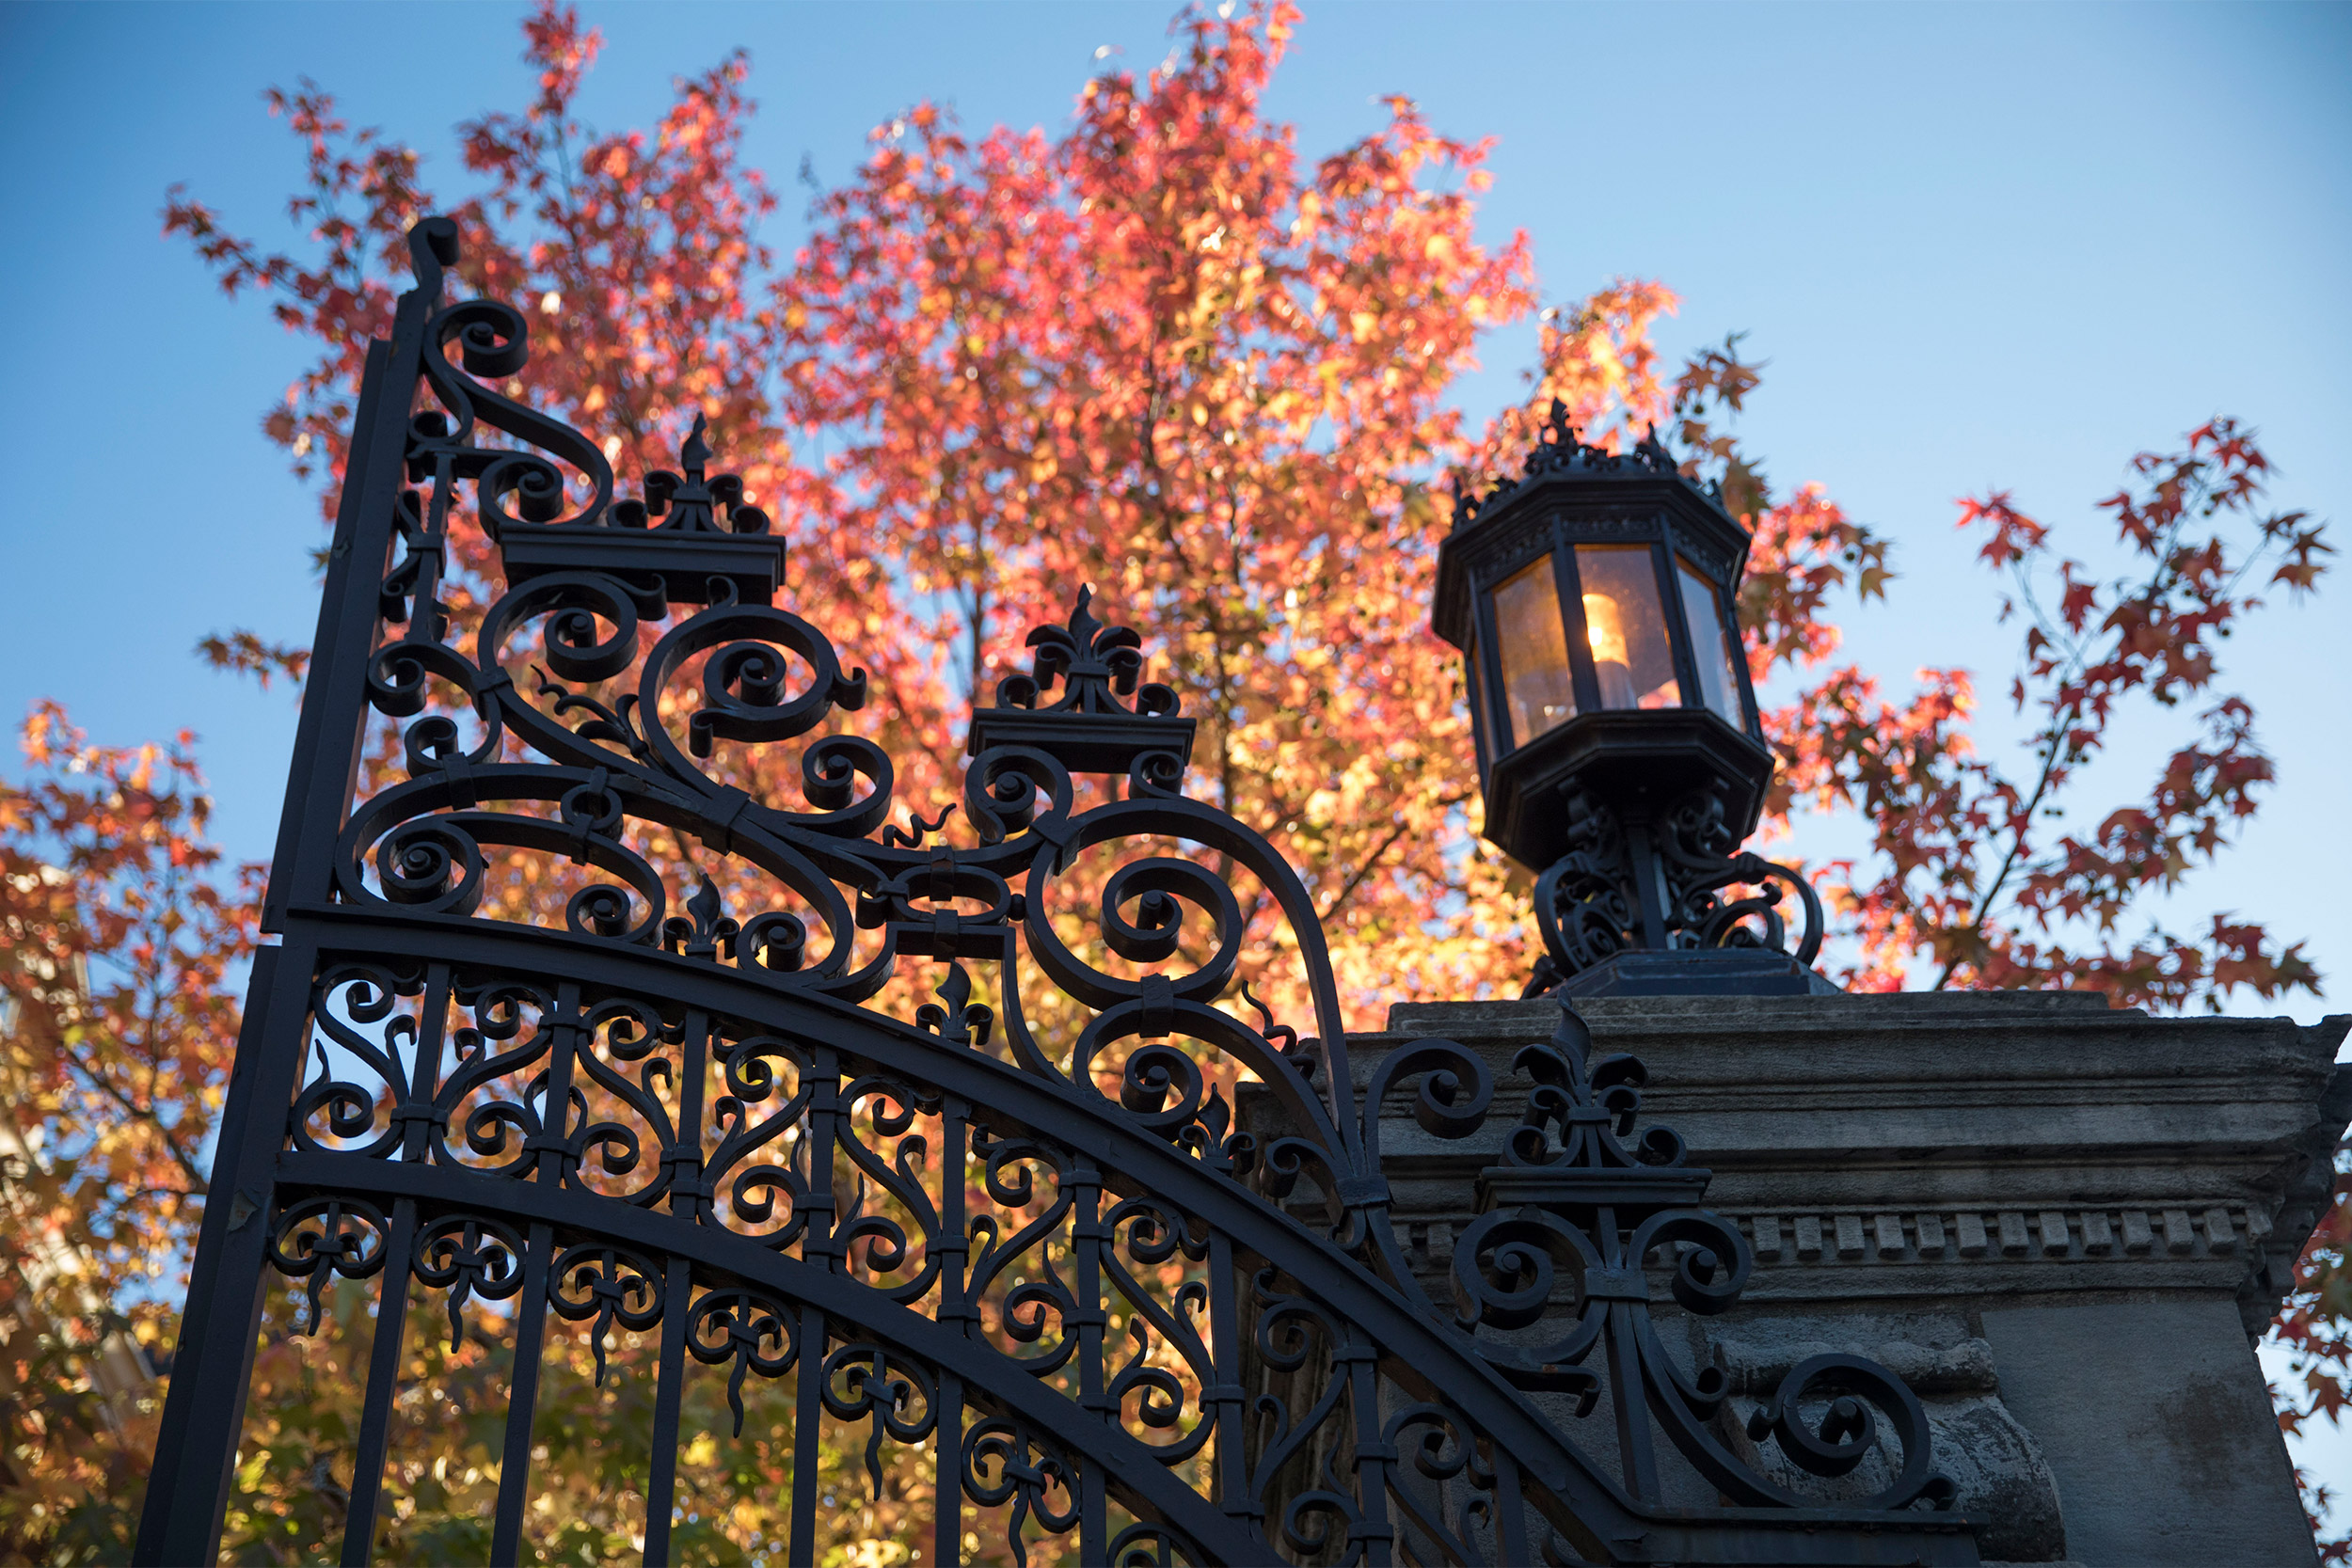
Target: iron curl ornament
928 1132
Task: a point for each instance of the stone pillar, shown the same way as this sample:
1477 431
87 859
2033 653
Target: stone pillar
2060 1224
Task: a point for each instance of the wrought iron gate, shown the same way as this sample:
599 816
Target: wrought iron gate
1165 1336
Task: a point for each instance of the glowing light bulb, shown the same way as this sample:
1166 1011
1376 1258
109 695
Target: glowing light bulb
1604 629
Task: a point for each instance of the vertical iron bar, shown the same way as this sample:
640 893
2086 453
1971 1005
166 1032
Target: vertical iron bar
1649 880
957 1312
1225 1396
948 1473
1360 1363
555 1122
1510 1509
1086 1245
818 1247
376 1414
392 1310
531 1322
1626 1390
684 1158
424 1073
685 1154
808 1416
530 1315
1636 1456
669 1384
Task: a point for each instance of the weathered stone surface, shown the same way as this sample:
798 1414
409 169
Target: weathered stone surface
2156 1426
2060 1221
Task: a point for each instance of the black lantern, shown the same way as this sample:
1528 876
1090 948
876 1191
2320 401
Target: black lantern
1618 744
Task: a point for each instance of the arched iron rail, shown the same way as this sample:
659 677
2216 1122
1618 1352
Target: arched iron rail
1163 1335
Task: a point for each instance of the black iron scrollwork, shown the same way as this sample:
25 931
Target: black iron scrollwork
1701 857
745 1332
470 1256
1592 903
322 1237
940 1122
1575 1205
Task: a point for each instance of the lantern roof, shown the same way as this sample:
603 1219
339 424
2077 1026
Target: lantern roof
1590 488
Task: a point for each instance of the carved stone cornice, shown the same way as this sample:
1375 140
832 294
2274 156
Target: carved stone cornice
1889 1148
2053 1221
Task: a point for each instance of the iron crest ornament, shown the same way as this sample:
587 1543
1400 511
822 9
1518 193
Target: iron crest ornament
928 1129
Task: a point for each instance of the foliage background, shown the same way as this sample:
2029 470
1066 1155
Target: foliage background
2088 249
2069 234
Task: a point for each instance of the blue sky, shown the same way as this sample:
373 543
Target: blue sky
1980 246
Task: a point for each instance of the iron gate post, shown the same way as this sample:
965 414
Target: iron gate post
204 1410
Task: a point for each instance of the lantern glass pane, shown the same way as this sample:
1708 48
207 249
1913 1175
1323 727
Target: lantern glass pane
1537 685
1627 626
1710 643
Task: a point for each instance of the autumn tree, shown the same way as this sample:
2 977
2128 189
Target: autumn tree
124 935
1163 353
1160 354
